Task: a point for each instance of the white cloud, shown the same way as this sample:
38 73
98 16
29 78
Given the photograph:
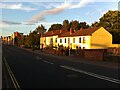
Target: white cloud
16 7
47 5
40 16
4 25
68 4
58 9
53 0
82 3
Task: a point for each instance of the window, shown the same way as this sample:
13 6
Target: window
65 40
68 40
51 40
80 47
84 40
73 40
56 40
80 40
60 40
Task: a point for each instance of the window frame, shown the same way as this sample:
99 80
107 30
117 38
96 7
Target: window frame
73 40
84 39
60 40
65 40
80 40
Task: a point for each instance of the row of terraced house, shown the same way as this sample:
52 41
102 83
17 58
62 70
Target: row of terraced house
91 38
14 39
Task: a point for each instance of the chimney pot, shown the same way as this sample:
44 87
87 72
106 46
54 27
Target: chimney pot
71 31
60 31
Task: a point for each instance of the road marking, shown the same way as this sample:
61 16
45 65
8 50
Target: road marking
92 74
47 62
15 83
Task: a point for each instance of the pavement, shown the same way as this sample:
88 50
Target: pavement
107 64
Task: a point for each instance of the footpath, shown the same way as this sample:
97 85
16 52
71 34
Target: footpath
107 64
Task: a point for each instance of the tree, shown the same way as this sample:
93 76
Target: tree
65 25
95 24
83 25
40 29
111 22
55 27
74 25
23 40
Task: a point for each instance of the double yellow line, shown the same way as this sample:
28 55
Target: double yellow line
14 81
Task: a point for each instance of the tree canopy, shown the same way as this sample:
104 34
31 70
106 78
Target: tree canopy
111 22
55 27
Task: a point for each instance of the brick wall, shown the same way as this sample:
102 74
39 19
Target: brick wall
114 50
92 54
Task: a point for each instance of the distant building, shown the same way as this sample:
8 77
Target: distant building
16 37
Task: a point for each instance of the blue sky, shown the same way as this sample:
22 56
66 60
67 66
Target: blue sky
24 16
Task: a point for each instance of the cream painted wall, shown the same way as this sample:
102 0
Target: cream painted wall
54 40
101 39
63 41
46 41
85 45
42 41
73 45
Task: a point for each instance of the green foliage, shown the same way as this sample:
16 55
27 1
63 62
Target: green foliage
33 39
65 25
74 25
55 27
22 41
83 25
40 29
111 22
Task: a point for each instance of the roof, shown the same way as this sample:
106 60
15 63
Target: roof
54 32
81 32
67 34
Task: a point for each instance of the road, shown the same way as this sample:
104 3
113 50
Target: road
32 70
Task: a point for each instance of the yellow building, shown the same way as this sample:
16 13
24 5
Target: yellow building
50 38
91 38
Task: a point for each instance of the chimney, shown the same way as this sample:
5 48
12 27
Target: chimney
60 31
81 28
52 32
16 34
71 31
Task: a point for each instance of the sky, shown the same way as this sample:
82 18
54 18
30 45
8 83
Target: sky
25 15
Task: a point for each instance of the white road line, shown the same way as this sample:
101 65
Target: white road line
92 74
15 83
47 62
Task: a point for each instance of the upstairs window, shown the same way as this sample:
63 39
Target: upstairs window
80 40
84 39
60 40
73 40
65 40
56 40
68 40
